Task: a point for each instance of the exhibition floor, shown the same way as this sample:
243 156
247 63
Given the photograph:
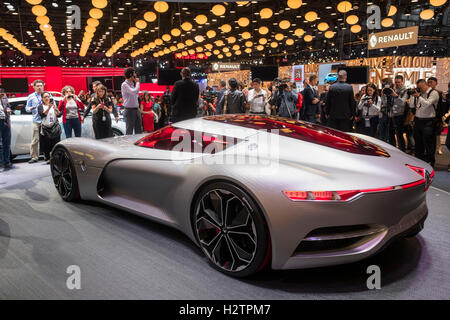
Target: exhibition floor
122 256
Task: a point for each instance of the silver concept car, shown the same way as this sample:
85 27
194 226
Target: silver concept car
255 191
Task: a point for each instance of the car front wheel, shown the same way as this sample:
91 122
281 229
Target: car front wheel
64 175
231 230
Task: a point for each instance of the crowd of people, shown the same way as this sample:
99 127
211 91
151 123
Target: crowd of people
141 112
410 119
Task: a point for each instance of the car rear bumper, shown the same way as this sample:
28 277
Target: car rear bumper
363 248
311 234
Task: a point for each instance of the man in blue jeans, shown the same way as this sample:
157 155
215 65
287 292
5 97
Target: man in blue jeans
5 132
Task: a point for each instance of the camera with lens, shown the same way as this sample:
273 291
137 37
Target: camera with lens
388 89
210 96
412 91
281 86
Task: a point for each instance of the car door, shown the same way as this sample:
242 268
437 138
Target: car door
21 127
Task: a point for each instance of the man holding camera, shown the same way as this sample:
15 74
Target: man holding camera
257 98
5 132
424 101
130 95
396 114
285 99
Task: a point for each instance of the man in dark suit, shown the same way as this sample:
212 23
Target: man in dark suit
310 110
184 97
340 106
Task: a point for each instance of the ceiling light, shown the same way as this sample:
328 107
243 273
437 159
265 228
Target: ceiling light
344 6
294 4
161 6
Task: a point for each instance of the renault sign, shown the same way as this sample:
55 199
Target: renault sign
394 38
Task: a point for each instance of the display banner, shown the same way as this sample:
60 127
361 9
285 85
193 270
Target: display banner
298 73
221 67
394 38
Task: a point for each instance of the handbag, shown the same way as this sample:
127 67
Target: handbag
52 132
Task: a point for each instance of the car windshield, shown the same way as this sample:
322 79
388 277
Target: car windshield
183 140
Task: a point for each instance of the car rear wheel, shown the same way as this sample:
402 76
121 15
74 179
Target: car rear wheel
116 133
64 175
231 230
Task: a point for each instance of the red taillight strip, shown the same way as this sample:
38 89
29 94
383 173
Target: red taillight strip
413 184
347 195
343 196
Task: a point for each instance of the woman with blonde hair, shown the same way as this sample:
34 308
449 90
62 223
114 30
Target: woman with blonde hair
70 107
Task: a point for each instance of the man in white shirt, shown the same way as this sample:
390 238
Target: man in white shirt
425 101
257 98
33 101
130 95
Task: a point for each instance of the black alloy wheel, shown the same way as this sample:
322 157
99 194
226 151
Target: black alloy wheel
116 133
64 175
231 230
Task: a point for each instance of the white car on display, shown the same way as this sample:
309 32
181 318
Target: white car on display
21 126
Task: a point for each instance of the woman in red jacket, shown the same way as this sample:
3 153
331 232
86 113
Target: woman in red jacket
70 107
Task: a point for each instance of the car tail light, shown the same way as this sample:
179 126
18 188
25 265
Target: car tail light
351 194
420 171
427 177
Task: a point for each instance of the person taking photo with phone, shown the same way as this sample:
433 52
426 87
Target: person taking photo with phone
102 107
130 95
71 108
50 127
257 98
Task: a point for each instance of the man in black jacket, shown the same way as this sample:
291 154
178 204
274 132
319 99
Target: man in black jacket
311 101
184 98
233 101
340 106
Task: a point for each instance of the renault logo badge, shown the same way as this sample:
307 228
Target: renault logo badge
373 41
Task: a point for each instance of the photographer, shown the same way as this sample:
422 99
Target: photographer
5 131
398 112
369 107
70 107
387 103
424 101
130 93
102 107
257 98
284 99
209 97
441 110
50 128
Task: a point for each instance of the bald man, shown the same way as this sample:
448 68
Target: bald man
184 97
340 106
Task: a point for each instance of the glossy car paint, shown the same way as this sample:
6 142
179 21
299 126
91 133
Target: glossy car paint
150 183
